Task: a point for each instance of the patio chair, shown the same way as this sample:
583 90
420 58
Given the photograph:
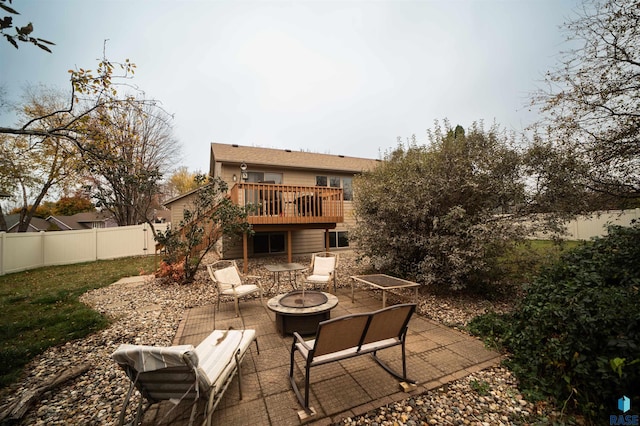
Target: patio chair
229 282
178 373
323 269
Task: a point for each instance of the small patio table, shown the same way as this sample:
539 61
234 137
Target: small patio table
383 282
285 267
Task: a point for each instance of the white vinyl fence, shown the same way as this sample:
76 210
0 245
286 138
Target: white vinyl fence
586 227
594 225
29 250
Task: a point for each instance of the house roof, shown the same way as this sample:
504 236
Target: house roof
79 220
252 156
36 224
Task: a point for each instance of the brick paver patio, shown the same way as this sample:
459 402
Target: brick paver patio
435 355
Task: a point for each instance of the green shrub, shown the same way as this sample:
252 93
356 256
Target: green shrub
428 212
575 336
210 214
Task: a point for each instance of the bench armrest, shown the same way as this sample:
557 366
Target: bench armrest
299 338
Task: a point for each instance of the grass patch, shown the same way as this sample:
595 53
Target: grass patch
525 260
40 308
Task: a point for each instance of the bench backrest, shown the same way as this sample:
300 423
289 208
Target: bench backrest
341 333
353 331
389 323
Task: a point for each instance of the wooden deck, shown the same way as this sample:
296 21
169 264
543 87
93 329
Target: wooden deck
275 204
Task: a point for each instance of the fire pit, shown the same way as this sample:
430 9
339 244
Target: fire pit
302 299
301 311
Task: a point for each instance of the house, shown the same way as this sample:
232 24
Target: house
36 225
79 221
304 200
86 220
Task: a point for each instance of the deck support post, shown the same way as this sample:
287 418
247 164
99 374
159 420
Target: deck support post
245 253
326 240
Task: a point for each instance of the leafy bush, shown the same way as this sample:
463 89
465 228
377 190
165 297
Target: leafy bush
207 217
575 336
428 213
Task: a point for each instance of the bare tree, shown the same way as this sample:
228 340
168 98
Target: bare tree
90 92
590 101
127 151
94 103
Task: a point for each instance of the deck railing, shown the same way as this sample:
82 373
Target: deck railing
289 204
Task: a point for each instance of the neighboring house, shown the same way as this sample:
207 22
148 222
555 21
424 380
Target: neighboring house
78 221
304 200
36 225
86 220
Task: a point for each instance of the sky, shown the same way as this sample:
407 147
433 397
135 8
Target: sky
336 77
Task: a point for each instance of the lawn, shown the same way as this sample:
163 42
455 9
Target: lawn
40 307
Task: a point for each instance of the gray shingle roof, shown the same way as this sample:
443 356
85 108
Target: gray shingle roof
226 153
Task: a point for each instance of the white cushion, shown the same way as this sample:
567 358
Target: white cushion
369 347
151 358
323 265
217 354
227 277
319 278
241 290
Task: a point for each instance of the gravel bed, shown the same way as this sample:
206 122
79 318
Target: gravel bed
150 312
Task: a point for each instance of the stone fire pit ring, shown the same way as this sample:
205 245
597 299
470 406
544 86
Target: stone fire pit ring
299 316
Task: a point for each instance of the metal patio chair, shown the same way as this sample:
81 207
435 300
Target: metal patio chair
323 269
229 282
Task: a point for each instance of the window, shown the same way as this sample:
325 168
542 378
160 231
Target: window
334 182
267 242
347 187
339 239
264 177
273 177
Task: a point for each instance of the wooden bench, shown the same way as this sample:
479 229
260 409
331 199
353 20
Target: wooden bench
350 336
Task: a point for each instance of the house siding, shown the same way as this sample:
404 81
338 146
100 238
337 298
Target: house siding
178 207
297 169
302 242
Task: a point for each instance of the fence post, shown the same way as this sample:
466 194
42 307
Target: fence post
95 243
42 248
145 234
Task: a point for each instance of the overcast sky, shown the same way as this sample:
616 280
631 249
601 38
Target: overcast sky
338 77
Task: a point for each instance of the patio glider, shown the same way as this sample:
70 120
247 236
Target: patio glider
323 269
350 336
228 281
183 372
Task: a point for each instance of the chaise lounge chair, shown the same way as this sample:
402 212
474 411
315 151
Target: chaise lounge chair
178 373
